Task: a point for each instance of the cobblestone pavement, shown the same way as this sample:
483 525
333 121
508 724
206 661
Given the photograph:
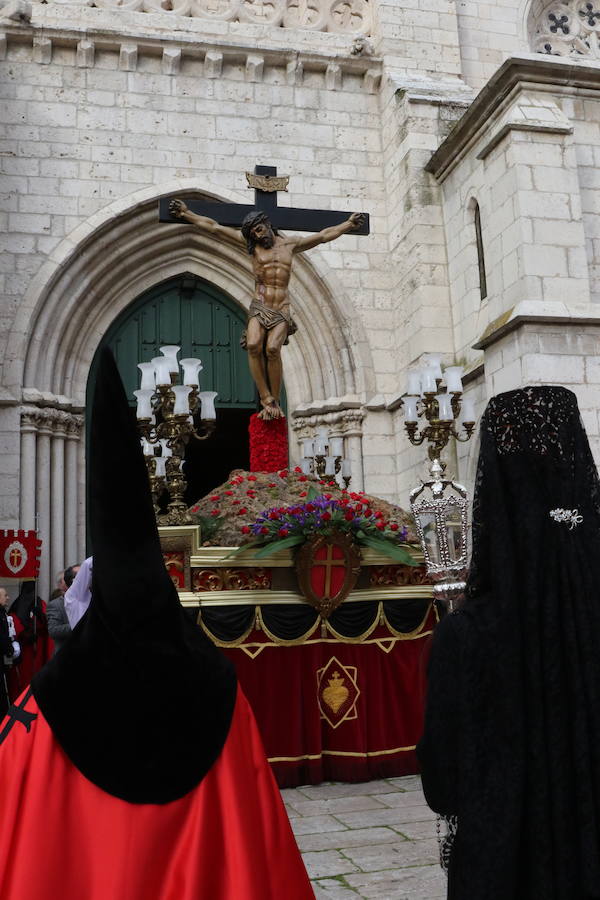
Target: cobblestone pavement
372 840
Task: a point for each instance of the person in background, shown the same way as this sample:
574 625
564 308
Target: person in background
9 650
59 628
31 625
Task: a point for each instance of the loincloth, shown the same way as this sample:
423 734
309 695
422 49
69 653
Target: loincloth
269 318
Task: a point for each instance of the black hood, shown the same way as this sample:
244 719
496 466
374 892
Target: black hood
139 699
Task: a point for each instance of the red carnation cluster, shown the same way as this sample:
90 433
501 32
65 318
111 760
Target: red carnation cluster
268 444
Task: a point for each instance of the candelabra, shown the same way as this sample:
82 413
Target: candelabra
324 456
438 397
439 505
165 414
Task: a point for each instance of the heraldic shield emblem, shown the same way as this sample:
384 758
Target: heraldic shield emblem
327 567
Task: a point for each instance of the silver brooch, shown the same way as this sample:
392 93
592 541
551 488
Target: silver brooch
570 516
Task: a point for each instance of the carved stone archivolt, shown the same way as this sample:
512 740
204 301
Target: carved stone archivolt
339 16
568 29
342 423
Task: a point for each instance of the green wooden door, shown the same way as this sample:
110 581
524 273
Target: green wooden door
206 324
201 320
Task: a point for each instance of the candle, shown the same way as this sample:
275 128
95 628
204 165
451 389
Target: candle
330 465
428 382
410 409
445 413
170 352
308 448
182 407
433 361
163 370
148 381
144 404
207 401
306 465
320 447
166 451
147 448
336 446
467 412
414 383
191 368
346 468
453 379
161 463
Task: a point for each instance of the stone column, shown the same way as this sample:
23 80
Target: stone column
42 494
352 431
81 511
57 494
27 506
72 554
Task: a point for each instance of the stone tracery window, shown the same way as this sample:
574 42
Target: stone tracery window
569 28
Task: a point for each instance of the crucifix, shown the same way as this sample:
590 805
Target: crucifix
270 322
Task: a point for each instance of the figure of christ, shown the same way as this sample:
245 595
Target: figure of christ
269 318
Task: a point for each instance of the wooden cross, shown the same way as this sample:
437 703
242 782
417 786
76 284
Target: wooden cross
288 218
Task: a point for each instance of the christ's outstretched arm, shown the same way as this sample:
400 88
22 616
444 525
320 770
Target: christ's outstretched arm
329 234
179 209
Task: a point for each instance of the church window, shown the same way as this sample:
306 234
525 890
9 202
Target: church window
480 254
569 28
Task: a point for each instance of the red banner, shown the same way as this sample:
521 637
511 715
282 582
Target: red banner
19 555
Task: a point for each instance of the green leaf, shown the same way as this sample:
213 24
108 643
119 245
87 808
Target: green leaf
249 545
312 493
394 551
283 544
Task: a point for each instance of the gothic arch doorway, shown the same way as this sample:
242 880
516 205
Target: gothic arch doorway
195 315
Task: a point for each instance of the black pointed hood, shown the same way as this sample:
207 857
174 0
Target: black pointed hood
139 699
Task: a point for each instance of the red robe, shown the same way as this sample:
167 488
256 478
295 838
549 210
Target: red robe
228 839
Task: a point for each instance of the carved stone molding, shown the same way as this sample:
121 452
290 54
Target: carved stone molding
338 16
342 423
571 28
51 421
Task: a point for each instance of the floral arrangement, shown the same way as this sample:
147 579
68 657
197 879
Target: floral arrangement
283 527
268 444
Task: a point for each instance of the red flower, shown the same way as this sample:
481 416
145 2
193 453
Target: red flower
242 510
251 493
245 529
235 502
394 527
283 532
272 484
303 477
229 493
327 496
215 512
326 516
303 494
368 512
331 483
380 525
251 477
349 516
215 498
283 473
310 507
379 514
264 530
297 469
273 514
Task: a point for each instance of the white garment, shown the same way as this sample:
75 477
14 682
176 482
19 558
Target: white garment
12 633
79 595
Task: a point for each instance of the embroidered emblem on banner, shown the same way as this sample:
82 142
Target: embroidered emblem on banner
337 692
15 557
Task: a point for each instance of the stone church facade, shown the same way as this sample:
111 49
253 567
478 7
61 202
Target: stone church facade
468 129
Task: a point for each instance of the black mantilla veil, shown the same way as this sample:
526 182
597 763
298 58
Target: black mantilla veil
512 734
139 698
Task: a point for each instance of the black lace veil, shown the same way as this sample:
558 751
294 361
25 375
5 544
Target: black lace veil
521 767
